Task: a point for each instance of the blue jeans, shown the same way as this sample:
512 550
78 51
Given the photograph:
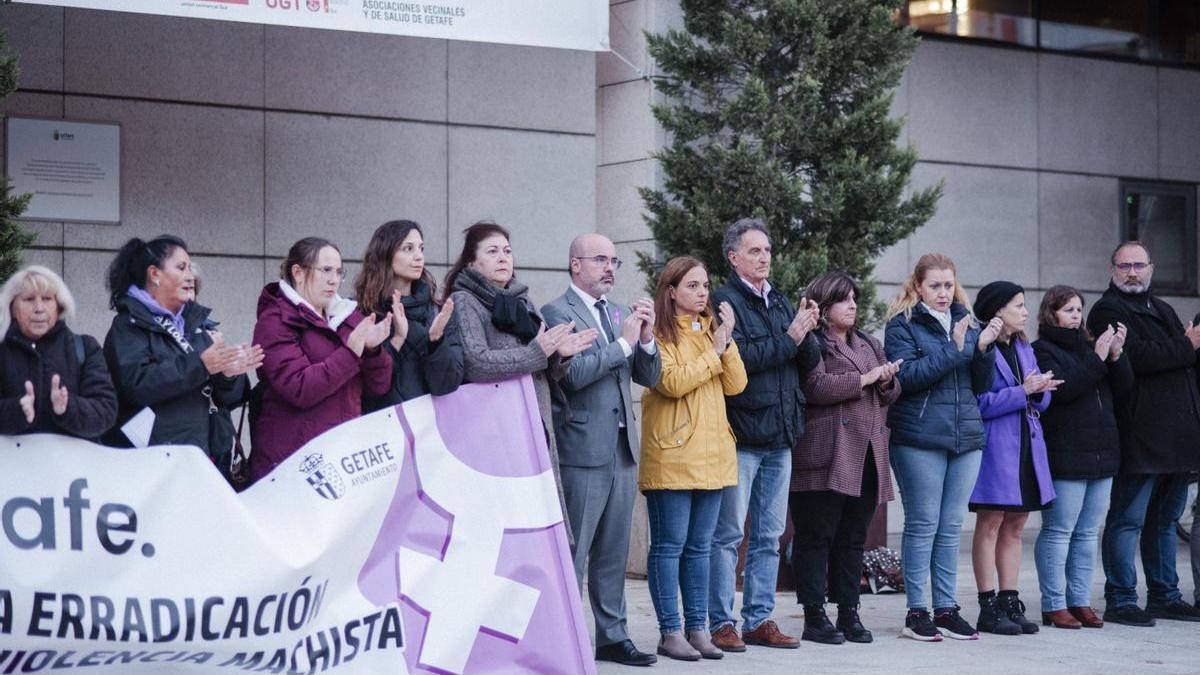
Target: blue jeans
1065 551
1146 505
762 492
935 486
681 532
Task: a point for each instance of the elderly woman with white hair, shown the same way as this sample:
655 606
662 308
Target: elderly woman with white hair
51 379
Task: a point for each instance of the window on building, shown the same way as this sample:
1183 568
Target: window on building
1145 30
1163 216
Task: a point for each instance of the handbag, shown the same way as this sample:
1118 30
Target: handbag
225 444
239 464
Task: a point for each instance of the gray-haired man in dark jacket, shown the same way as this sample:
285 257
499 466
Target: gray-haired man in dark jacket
767 418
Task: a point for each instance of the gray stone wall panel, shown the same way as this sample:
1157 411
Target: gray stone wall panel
540 186
188 170
355 73
522 87
340 178
163 57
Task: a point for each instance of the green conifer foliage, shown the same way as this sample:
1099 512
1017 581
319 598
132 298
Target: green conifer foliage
778 109
13 237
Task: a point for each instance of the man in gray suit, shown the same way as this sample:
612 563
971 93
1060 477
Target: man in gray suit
597 433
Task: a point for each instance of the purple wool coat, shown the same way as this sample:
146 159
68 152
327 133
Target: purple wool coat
313 381
999 479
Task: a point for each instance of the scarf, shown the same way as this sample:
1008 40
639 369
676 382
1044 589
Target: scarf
511 312
140 294
1070 339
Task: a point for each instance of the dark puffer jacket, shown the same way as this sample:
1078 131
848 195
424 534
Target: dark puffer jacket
91 399
938 409
150 369
421 367
769 413
1160 423
1082 440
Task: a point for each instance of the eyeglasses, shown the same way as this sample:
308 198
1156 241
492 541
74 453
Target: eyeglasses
328 271
1138 266
602 260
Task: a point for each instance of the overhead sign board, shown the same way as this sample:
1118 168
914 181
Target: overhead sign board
565 24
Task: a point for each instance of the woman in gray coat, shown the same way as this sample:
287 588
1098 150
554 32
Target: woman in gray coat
503 336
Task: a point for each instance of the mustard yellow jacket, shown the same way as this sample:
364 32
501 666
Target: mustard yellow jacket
686 440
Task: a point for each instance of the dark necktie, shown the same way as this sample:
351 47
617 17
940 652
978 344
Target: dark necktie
605 324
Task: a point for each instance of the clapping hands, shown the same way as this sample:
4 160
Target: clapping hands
990 332
560 340
59 397
881 373
1037 383
230 360
804 321
723 335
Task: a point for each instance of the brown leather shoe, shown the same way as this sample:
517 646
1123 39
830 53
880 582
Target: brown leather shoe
1086 616
767 635
1060 618
726 639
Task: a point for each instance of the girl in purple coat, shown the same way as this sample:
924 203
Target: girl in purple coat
1014 476
320 354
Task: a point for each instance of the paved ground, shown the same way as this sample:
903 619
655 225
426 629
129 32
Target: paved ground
1171 647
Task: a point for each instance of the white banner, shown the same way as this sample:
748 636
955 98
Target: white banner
409 540
566 24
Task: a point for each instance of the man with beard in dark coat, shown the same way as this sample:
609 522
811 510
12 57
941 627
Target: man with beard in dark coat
1159 427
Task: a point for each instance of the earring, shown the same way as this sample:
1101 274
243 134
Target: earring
156 284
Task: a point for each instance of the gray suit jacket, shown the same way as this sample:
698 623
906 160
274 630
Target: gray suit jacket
596 386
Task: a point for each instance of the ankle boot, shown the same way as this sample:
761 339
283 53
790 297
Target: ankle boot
675 646
851 626
817 627
992 619
701 641
1011 605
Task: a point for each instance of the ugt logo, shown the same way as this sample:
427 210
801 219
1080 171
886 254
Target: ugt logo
323 476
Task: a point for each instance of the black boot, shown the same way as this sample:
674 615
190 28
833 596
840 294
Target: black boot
1012 606
817 627
850 625
992 619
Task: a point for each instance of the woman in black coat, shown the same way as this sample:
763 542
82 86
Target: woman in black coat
1083 445
425 344
164 351
51 380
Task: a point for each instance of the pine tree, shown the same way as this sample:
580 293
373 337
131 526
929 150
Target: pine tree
13 237
778 109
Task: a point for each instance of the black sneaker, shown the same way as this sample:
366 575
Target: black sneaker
918 625
1177 610
953 625
817 627
993 619
1128 615
1011 605
851 625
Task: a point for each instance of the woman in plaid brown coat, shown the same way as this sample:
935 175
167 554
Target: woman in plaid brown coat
840 469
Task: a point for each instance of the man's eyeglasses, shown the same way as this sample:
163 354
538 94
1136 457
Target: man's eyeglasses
602 260
1137 266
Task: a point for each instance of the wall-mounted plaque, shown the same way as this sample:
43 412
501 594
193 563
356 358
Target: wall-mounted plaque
73 169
